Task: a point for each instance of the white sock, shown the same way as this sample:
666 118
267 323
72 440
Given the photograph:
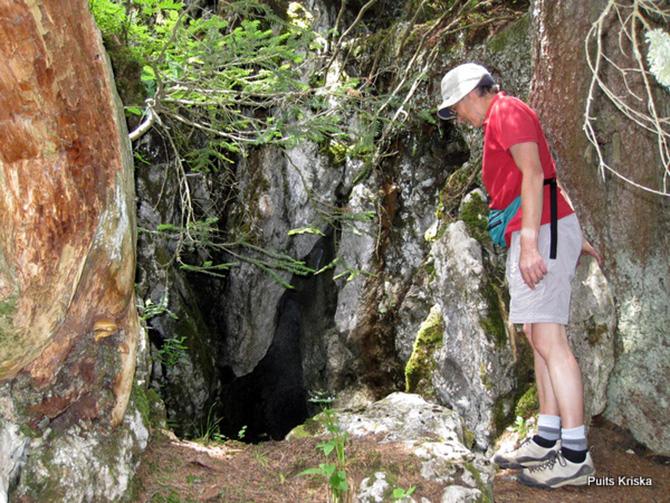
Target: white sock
574 438
549 427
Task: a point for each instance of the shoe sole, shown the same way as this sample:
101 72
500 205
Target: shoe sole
581 480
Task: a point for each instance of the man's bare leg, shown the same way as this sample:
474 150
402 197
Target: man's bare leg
550 341
545 391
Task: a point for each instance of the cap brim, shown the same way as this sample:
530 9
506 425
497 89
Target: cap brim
445 114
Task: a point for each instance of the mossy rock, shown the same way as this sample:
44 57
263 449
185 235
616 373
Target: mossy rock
514 34
308 429
595 333
474 213
150 406
486 490
493 323
421 363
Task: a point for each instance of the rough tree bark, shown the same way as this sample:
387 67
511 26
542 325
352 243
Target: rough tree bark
630 227
68 323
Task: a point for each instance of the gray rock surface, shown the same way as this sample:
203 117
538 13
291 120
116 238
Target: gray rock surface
84 465
12 456
431 432
373 489
591 333
474 370
284 192
460 494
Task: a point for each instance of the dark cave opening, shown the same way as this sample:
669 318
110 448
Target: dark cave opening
274 398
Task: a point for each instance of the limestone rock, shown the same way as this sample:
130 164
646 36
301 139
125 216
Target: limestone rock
373 489
84 465
475 364
460 494
283 192
591 333
12 451
431 432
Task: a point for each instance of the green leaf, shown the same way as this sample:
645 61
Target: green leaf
134 111
327 447
311 471
305 230
167 228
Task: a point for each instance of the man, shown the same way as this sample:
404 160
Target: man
538 224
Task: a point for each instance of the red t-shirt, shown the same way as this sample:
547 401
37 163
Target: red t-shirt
510 121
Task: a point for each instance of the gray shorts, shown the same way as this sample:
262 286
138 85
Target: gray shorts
549 301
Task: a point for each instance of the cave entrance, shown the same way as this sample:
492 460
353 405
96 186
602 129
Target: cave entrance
274 398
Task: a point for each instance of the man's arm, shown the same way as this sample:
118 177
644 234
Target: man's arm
527 159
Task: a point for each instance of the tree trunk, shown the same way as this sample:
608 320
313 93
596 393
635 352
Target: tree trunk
630 227
68 322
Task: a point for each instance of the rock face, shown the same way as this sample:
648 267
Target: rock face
68 323
630 227
432 433
181 341
475 371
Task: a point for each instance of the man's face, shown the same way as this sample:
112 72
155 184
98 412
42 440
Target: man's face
466 111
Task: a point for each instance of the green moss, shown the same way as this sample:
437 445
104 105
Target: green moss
149 405
512 35
493 323
7 332
308 429
485 378
468 438
451 194
300 431
528 404
487 491
502 415
336 152
127 72
474 214
27 431
8 306
421 363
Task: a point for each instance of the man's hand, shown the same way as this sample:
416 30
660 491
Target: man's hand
531 263
587 249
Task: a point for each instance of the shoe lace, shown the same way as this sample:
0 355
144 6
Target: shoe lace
549 464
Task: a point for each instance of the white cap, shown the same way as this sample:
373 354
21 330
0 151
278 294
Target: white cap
457 83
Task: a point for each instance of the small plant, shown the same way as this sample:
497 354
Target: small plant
521 426
334 473
242 433
321 399
151 309
210 431
172 350
400 494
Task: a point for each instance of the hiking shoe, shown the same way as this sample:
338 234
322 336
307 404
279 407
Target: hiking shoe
527 454
558 472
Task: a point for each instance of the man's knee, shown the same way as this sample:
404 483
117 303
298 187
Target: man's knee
549 339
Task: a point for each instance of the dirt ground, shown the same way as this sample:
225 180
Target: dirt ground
175 471
615 454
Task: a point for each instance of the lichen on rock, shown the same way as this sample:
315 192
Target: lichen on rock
421 364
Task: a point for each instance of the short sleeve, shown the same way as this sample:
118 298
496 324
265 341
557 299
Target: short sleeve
516 124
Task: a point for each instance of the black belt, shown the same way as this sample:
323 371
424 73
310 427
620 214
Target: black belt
553 187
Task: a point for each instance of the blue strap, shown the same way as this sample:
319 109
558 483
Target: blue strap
499 219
